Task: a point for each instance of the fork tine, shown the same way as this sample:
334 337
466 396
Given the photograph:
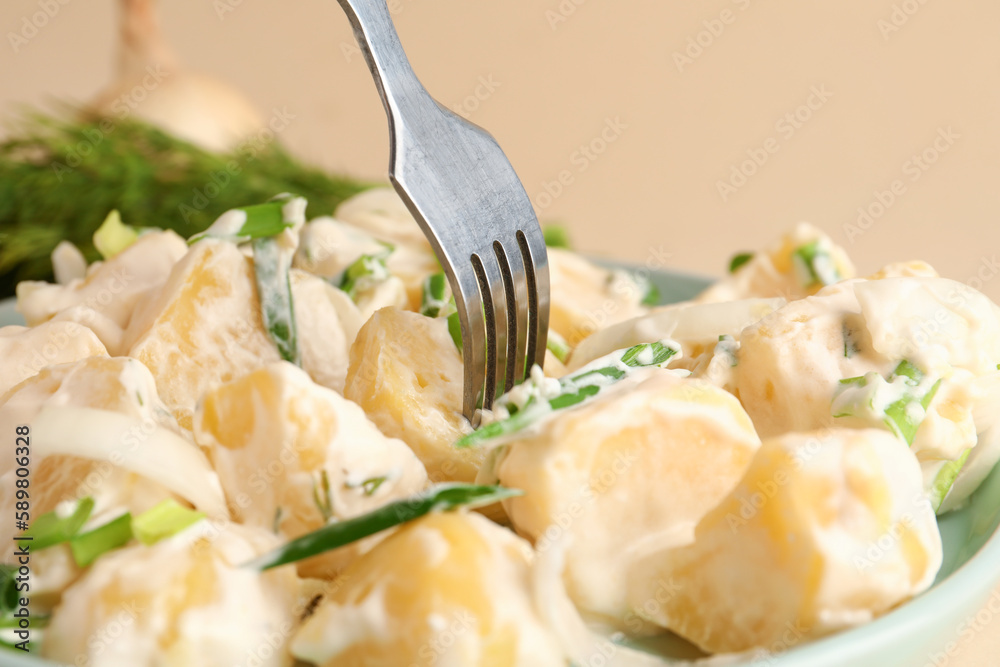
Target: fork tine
516 288
470 313
491 287
536 264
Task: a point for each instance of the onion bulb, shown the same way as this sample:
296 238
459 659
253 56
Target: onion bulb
153 87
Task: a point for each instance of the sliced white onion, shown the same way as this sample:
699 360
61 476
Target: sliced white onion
140 447
688 322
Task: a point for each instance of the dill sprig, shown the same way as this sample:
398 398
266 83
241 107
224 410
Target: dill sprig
59 179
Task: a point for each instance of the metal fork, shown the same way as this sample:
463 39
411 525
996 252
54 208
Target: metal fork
464 193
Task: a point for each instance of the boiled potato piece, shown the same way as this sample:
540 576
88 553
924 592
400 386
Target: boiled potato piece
407 375
184 601
445 589
791 361
327 322
587 297
826 530
833 359
202 328
799 264
111 288
119 385
26 351
631 471
292 455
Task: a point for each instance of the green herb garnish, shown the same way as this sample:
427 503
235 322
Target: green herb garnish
163 520
556 236
149 177
49 529
440 498
739 260
558 346
272 264
573 390
945 478
87 547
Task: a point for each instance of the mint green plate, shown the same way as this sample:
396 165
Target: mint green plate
913 635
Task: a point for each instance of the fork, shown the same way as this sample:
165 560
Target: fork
464 194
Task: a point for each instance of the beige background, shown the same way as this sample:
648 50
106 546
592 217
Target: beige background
559 72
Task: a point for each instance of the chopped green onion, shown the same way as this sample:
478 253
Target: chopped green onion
566 392
850 346
370 486
272 265
815 265
906 369
8 588
322 496
441 498
433 302
113 236
261 221
945 478
739 260
455 330
556 236
86 547
647 354
558 346
165 519
364 273
900 415
49 529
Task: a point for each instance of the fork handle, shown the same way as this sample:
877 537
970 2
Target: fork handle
401 92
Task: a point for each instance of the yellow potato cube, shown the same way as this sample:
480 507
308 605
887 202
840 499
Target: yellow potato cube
292 455
407 375
826 530
445 589
26 351
182 602
630 472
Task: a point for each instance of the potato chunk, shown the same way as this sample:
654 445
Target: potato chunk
446 589
407 375
630 472
826 530
24 352
292 455
182 602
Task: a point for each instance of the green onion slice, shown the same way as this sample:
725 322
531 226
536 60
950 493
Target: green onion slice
49 529
87 547
442 497
739 260
240 225
164 520
539 396
272 262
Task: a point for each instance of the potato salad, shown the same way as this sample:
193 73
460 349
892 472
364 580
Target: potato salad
247 448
